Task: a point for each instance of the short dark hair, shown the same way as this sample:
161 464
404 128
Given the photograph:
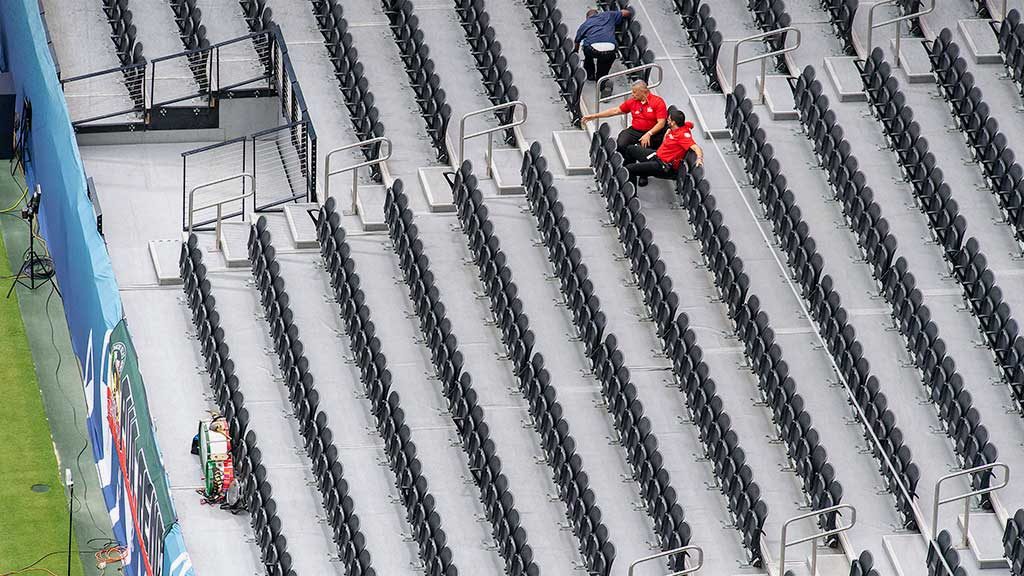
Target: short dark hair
678 116
591 13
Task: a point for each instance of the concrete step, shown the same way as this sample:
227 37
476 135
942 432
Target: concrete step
985 539
370 206
506 168
234 244
574 150
301 224
165 255
711 114
778 96
914 61
846 78
980 40
907 553
437 189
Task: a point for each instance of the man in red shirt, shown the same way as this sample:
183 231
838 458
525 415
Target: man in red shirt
648 113
665 161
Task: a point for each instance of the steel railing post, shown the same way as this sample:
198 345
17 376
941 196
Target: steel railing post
512 123
763 57
635 70
937 501
813 538
690 570
380 159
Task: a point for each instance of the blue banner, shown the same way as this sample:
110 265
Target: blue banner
132 477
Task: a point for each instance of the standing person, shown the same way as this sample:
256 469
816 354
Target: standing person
597 38
648 114
665 161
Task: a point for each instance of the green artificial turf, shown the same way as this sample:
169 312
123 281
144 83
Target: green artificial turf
32 524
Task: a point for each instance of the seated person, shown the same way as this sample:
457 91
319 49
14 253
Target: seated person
665 161
648 118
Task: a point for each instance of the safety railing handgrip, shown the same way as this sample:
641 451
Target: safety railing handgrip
627 72
814 550
380 159
762 57
897 20
673 552
512 123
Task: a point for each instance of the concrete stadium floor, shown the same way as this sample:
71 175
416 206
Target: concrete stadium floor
60 385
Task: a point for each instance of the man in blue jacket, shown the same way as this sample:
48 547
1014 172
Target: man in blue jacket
597 38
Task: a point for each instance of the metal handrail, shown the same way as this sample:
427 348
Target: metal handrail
814 538
354 168
692 569
965 497
219 204
872 25
490 139
762 57
627 72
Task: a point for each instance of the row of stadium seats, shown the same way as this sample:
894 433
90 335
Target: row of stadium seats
305 399
493 67
466 413
608 362
841 13
258 16
863 565
1011 46
953 402
1013 542
534 380
189 18
257 492
558 45
704 36
942 549
989 145
793 235
771 15
128 48
721 444
354 86
385 403
425 82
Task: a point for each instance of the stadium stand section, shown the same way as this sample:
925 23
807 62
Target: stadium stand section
791 359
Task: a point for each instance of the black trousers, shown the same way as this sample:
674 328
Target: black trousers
596 63
631 136
644 162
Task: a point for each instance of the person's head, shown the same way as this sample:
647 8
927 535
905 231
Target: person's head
676 118
640 90
591 13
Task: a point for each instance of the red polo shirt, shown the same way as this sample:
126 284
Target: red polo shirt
645 114
676 144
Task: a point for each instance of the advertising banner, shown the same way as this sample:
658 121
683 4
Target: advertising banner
121 432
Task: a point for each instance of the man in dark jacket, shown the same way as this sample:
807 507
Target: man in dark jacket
597 38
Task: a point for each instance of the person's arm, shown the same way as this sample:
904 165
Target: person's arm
645 140
626 13
608 113
579 36
699 152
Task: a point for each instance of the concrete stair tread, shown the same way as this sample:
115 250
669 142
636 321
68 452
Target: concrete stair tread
506 165
907 553
301 224
165 255
985 539
711 114
370 206
574 151
845 77
778 96
981 41
234 244
914 60
436 188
